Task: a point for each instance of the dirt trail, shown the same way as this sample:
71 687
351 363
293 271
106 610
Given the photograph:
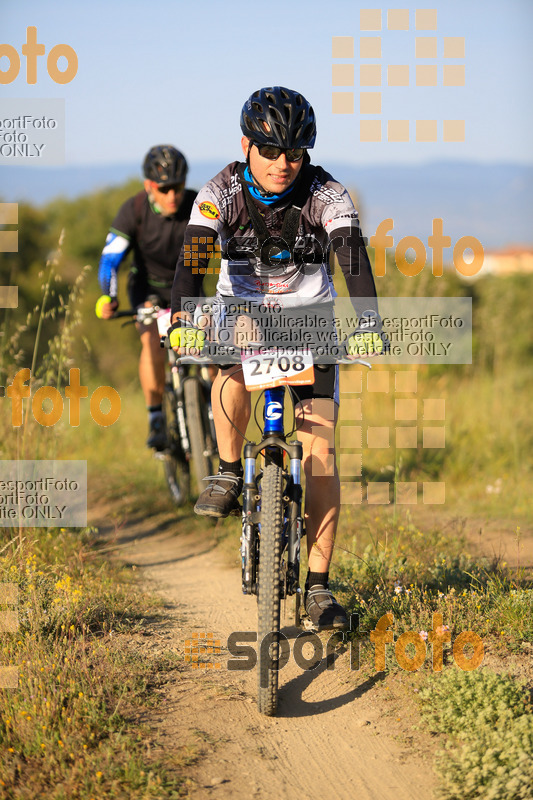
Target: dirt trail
334 735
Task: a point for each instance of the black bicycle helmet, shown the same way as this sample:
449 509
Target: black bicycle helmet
280 117
164 164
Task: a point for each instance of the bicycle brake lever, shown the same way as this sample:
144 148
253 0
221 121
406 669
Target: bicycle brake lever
193 360
354 361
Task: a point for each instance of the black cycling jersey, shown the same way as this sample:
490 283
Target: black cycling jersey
156 241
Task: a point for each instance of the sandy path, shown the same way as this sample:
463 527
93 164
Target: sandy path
333 735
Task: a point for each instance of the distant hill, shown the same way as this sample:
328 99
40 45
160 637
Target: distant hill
493 202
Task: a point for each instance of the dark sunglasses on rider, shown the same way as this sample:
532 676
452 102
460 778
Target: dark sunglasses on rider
273 153
165 188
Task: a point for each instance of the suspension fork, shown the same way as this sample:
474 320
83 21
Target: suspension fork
274 447
178 375
206 390
273 427
293 497
250 519
295 523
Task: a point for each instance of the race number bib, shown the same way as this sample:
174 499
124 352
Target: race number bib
279 367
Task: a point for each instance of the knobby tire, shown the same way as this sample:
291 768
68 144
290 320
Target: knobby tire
196 425
268 598
175 464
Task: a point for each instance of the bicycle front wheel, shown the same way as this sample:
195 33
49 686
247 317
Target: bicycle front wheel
175 465
268 590
197 427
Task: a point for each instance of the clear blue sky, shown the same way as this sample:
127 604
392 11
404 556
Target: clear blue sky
176 71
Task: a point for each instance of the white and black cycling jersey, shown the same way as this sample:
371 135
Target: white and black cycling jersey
250 269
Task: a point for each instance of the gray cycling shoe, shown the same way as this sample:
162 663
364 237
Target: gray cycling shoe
221 497
323 610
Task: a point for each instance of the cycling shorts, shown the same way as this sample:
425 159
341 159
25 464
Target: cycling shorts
326 383
236 324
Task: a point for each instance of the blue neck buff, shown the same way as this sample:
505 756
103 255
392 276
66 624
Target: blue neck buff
254 191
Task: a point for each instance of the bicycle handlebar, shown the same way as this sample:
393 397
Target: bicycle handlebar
143 315
148 315
207 360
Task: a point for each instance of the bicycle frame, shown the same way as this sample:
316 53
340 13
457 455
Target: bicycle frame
191 435
179 374
272 528
274 447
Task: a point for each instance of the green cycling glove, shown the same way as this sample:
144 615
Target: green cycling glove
186 336
368 339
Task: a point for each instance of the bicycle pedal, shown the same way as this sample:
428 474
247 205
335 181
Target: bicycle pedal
306 623
236 512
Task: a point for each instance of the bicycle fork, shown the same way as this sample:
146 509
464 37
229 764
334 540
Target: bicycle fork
273 446
177 384
206 381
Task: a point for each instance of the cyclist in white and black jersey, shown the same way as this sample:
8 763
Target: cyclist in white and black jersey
327 218
275 217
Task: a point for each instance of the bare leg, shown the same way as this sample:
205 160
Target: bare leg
322 501
152 366
236 401
228 396
322 496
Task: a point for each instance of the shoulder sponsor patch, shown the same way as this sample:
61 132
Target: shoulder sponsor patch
209 210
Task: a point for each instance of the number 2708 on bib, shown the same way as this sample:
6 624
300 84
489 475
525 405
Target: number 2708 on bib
270 368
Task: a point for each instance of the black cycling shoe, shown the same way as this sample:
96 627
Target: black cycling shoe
157 437
323 610
221 496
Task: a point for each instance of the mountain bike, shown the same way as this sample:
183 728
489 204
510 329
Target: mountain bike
186 405
272 521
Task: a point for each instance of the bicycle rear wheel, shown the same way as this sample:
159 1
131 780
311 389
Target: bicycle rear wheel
268 590
175 465
198 431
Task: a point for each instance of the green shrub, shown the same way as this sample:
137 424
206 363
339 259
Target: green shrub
489 717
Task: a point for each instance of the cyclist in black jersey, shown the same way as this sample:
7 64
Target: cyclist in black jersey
278 195
151 224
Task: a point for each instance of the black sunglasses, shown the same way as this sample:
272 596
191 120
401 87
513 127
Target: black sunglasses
167 187
272 152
